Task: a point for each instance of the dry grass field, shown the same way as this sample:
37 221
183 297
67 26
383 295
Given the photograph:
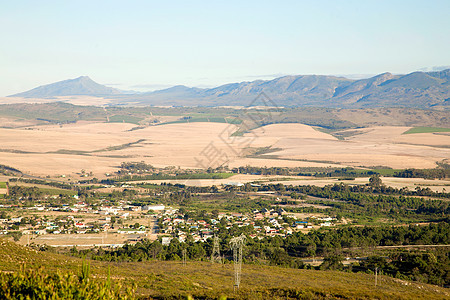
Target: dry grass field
374 146
101 147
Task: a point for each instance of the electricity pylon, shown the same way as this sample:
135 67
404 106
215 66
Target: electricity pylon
215 255
237 244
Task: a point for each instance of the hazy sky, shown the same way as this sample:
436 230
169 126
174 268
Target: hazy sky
144 45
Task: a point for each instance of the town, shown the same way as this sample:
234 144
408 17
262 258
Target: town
116 224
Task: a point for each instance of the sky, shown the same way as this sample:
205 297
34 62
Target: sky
148 45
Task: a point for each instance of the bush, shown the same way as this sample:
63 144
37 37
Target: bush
38 284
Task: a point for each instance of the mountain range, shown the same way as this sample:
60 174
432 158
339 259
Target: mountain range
417 90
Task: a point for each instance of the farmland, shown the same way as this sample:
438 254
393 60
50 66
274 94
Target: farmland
313 190
99 147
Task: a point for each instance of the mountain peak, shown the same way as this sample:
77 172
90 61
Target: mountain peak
84 77
82 85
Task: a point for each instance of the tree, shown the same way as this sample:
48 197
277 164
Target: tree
215 213
333 262
375 180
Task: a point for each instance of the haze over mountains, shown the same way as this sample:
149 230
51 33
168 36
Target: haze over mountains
417 90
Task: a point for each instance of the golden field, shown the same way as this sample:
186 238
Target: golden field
100 147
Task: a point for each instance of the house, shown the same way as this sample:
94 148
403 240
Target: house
178 221
300 224
327 219
221 215
158 207
274 222
166 240
140 230
265 212
281 211
238 184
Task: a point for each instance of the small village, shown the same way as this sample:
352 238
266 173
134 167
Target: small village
258 224
114 225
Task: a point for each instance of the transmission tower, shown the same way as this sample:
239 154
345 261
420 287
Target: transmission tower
215 255
237 244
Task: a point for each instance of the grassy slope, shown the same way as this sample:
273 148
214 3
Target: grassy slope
205 280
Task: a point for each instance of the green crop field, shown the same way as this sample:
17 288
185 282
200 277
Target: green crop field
383 172
2 185
208 119
125 119
426 130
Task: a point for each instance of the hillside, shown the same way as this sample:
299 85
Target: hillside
172 279
79 86
324 117
414 90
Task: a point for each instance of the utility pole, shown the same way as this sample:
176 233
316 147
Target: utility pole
184 257
237 243
376 273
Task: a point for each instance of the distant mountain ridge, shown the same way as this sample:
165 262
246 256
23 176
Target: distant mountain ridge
82 85
417 90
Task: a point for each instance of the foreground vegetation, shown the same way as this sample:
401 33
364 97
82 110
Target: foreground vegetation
39 284
203 280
